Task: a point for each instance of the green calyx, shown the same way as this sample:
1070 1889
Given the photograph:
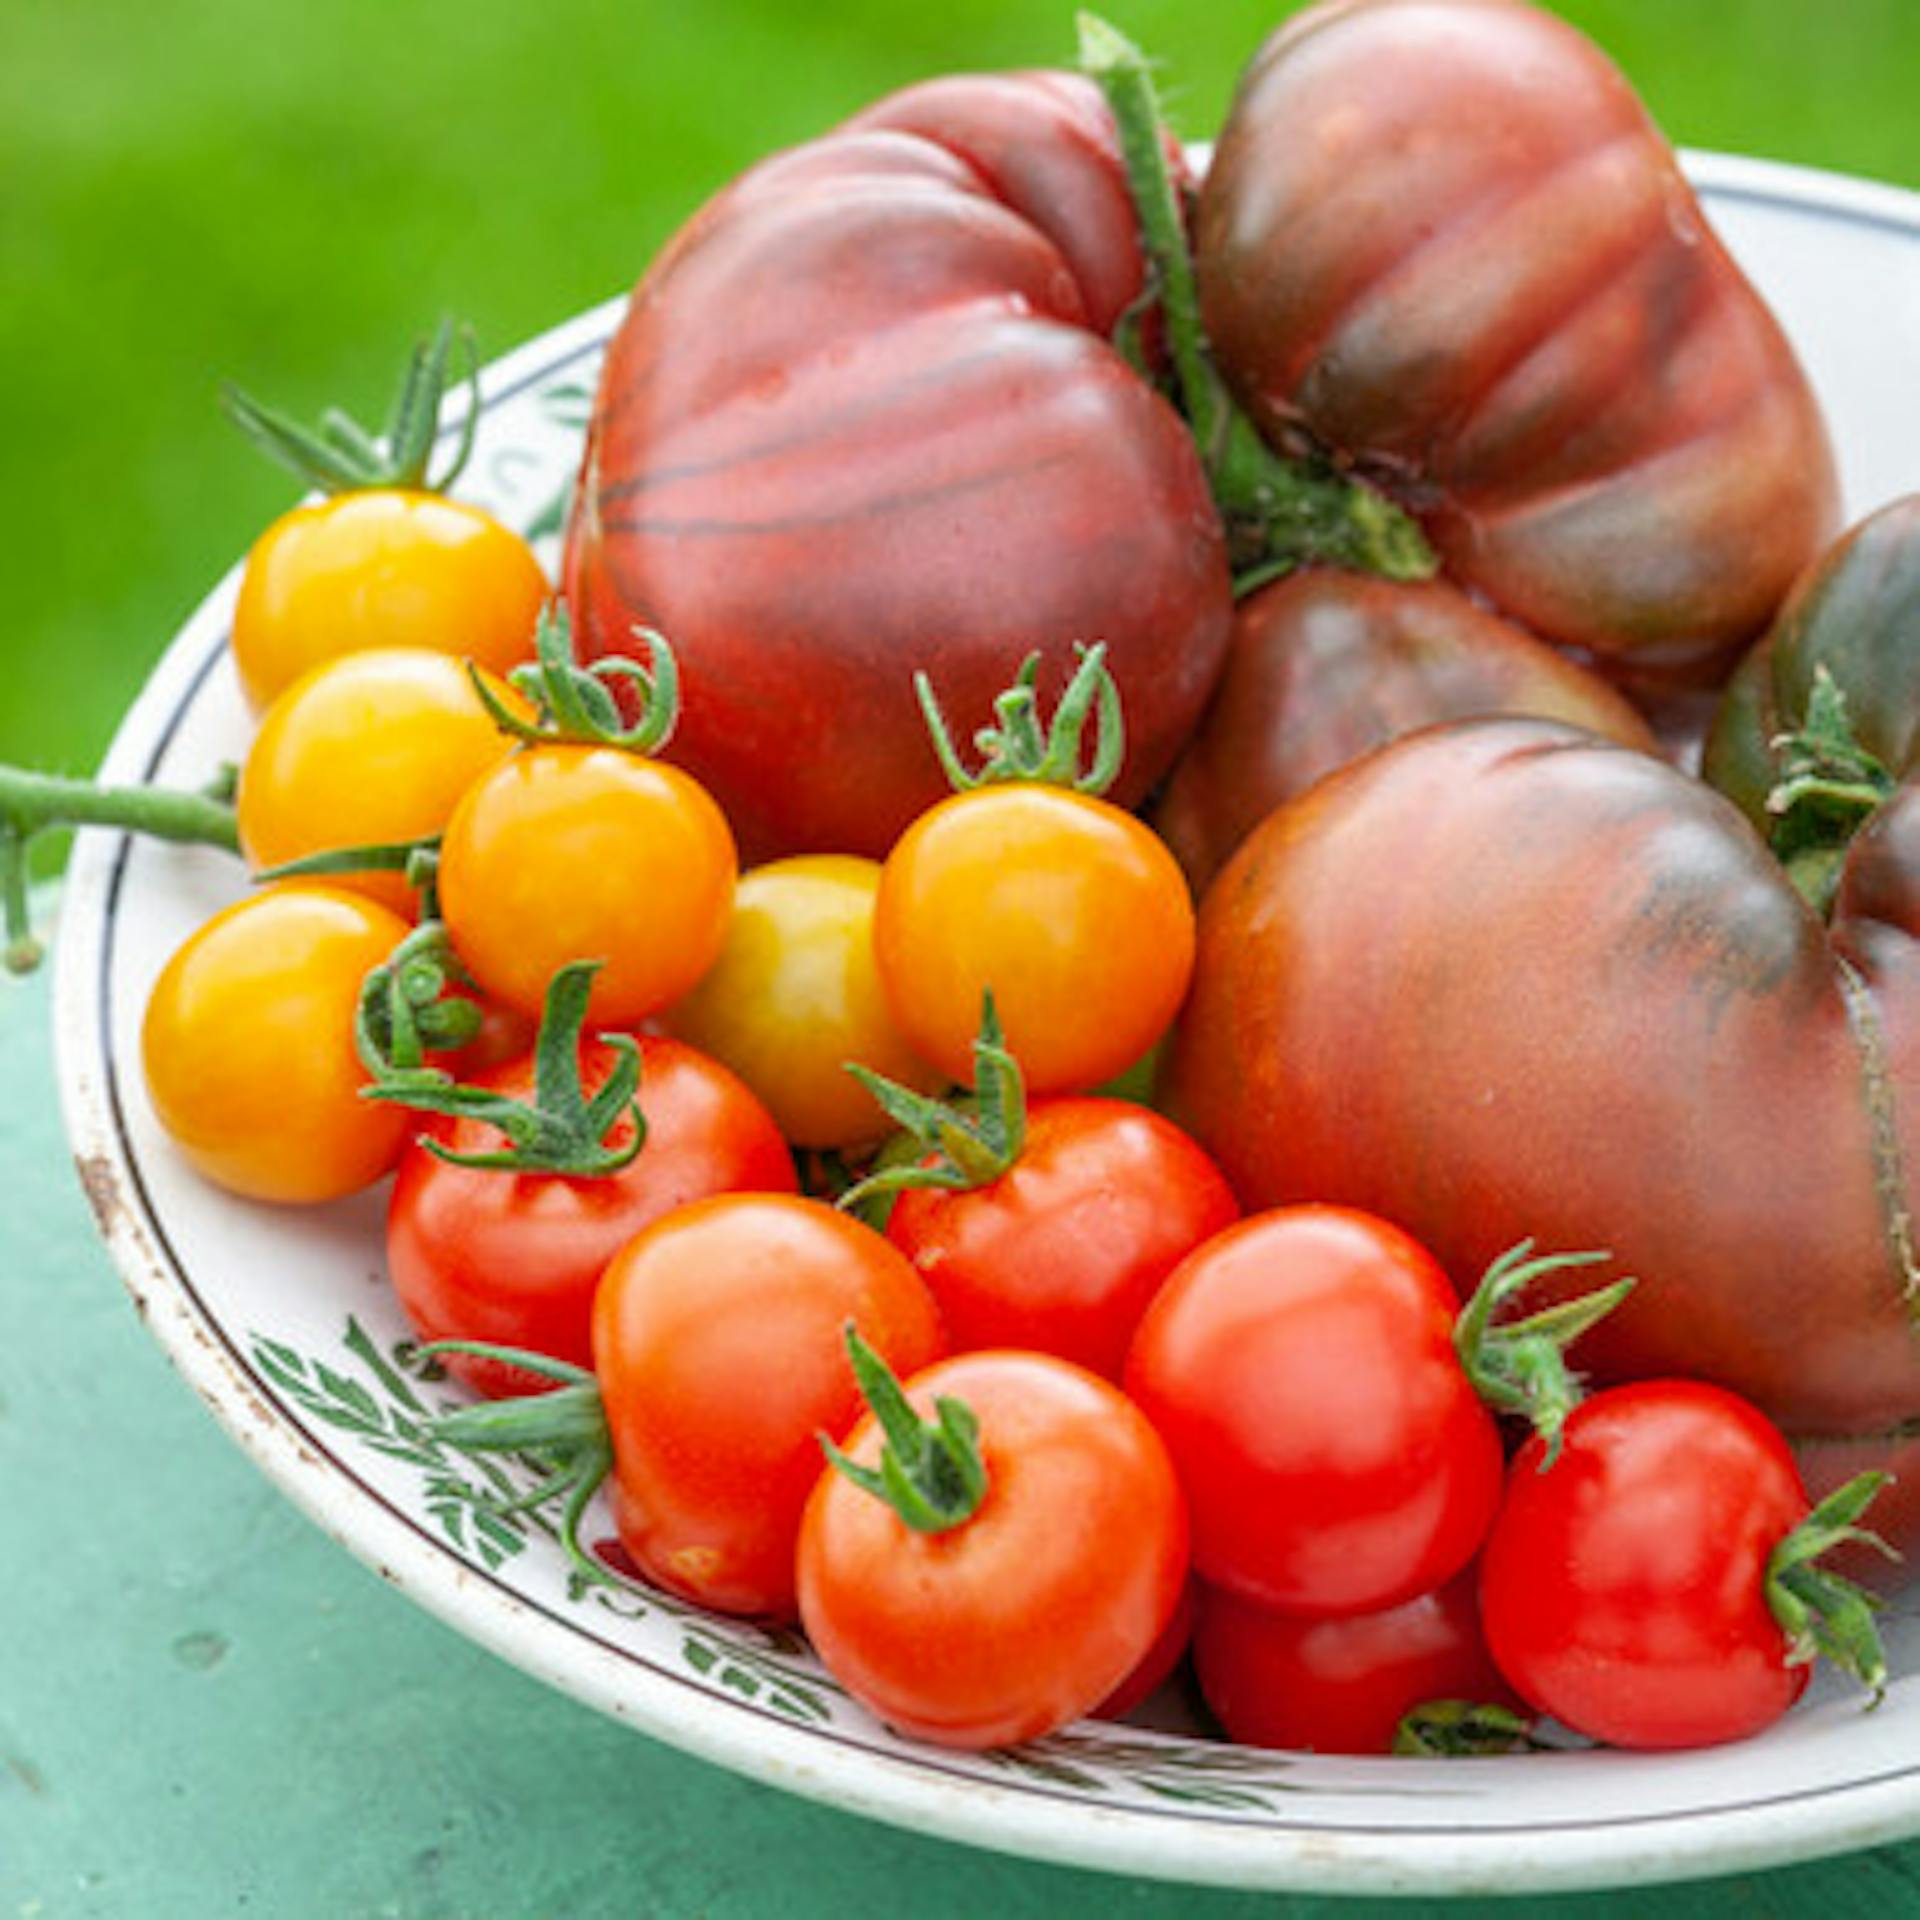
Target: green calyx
1520 1366
565 1430
561 1130
35 803
1018 747
959 1148
580 704
405 1010
340 456
1462 1729
1829 786
930 1472
1822 1613
1279 513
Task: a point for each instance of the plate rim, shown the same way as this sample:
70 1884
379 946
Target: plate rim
1006 1817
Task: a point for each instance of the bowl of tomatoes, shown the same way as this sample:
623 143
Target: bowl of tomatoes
604 1377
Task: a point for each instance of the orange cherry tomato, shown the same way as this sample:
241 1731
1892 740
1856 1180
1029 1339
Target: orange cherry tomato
1071 911
566 853
382 567
248 1046
1031 1611
719 1343
795 996
371 748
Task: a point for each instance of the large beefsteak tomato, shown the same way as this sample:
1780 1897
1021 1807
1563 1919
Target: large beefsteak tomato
864 416
1444 239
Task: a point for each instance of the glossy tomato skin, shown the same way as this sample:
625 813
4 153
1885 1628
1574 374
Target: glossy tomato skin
1502 980
567 853
388 567
795 996
1341 1685
1063 1252
513 1259
1623 1587
1300 1367
863 417
719 1342
247 1045
1042 1602
1445 238
1072 912
368 749
1327 665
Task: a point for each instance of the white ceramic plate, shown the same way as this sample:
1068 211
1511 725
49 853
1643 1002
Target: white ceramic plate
284 1324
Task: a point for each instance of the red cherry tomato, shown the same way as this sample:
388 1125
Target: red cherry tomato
1301 1368
1030 1612
719 1342
1063 1252
513 1258
1341 1685
1623 1588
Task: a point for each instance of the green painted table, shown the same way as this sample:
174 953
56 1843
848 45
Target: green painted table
206 1708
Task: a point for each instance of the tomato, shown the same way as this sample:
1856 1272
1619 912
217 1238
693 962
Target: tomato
1535 338
1624 1588
514 1258
386 567
1503 979
1301 1369
718 1339
369 749
1325 665
795 996
1028 1613
863 415
1340 1685
576 852
1063 1251
1072 912
248 1046
1156 1666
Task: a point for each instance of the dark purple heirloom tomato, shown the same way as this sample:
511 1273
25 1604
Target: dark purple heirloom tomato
1444 240
864 416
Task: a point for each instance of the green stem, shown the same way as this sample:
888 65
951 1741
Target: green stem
1017 747
1830 785
1462 1729
1520 1366
1821 1612
930 1473
960 1148
35 803
565 1430
562 1130
1279 513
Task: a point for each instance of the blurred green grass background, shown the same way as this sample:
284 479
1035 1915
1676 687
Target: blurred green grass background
286 191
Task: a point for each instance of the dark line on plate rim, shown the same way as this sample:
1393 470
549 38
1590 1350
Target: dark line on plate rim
929 1765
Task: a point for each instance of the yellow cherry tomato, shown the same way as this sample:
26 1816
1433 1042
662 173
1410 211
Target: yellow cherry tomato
566 853
368 749
248 1046
383 567
795 995
1071 911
